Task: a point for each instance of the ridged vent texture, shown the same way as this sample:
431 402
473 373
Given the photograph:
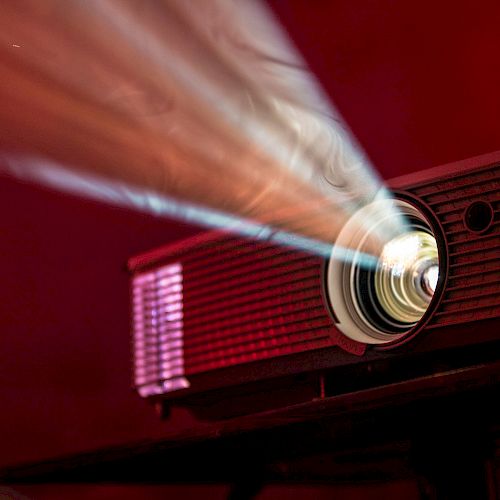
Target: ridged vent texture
242 301
246 300
473 289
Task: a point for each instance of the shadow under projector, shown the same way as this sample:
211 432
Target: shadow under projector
226 325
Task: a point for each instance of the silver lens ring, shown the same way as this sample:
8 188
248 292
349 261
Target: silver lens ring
381 299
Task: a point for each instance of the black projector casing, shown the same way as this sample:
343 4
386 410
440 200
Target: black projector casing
230 326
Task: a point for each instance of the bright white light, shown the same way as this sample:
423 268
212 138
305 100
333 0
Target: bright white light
138 84
430 278
400 252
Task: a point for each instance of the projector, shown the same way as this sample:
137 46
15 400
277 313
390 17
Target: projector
226 325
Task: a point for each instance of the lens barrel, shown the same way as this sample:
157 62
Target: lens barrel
380 298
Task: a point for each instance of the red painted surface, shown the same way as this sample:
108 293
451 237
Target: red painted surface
418 85
64 344
416 81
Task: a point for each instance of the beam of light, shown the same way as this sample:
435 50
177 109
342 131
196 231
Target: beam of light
148 202
201 100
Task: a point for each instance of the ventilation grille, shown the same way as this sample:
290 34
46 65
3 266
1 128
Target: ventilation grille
238 301
158 330
473 288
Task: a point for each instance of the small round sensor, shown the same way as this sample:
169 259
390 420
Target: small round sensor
478 216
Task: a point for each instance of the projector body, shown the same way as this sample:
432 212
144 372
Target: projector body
227 325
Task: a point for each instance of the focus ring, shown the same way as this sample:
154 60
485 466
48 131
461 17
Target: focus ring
378 299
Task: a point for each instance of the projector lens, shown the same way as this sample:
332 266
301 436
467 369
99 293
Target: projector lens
380 299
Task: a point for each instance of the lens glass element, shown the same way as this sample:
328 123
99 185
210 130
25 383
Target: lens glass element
406 276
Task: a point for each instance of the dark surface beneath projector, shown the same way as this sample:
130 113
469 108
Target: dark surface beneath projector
440 431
